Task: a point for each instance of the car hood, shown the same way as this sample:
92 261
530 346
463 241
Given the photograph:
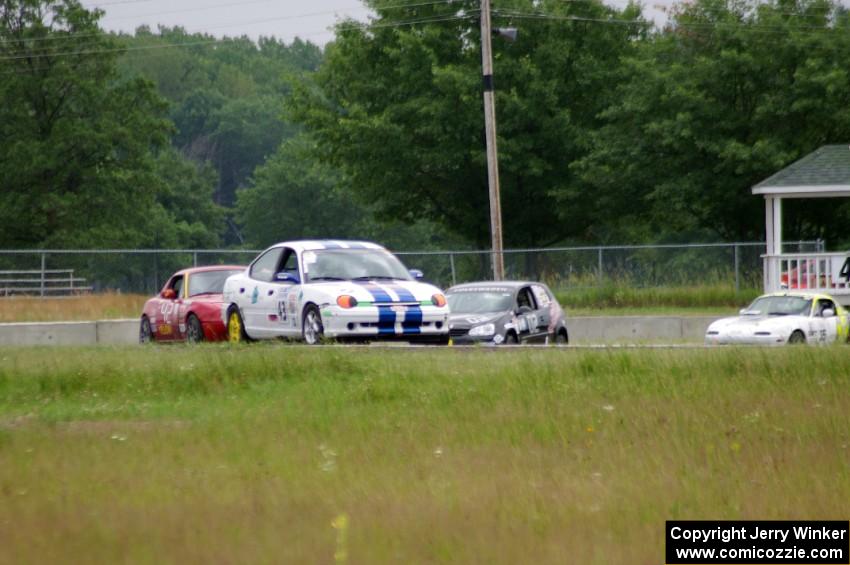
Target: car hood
460 320
378 291
754 323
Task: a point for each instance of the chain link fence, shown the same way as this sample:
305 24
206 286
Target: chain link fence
145 270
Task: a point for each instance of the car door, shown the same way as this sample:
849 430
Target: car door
544 311
286 318
256 297
825 329
167 328
526 309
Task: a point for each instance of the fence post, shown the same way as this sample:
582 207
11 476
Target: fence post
452 263
194 258
43 268
600 265
737 269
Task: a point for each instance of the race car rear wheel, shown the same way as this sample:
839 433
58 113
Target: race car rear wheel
511 339
145 332
235 327
194 331
311 325
797 337
561 338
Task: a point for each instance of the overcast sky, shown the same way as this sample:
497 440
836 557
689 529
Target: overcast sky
284 19
281 18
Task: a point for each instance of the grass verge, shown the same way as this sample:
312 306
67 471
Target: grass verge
71 308
621 297
269 454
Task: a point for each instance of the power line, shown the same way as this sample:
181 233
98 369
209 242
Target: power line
676 24
363 26
69 36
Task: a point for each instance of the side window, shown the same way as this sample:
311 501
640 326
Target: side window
264 267
177 286
524 298
541 295
290 262
822 305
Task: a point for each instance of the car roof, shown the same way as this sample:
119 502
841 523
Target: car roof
511 285
316 244
207 268
800 294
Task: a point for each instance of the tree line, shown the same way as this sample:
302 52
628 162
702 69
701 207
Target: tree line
611 128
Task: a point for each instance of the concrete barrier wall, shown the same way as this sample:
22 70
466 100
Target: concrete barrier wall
637 329
583 330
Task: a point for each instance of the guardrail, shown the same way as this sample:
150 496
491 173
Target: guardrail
43 282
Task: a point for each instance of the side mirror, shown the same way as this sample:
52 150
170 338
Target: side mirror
742 311
284 277
169 294
416 274
828 313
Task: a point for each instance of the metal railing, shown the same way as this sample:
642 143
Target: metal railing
806 271
41 282
738 263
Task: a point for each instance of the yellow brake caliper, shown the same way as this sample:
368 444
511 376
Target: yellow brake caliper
234 328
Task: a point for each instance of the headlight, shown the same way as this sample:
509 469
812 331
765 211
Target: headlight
346 301
484 329
438 300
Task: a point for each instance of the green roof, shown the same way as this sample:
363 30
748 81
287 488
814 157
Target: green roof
828 166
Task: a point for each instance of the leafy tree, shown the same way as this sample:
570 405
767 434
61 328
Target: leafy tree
225 102
398 108
721 99
292 196
76 162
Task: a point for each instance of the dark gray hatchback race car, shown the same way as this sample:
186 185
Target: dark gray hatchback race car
505 312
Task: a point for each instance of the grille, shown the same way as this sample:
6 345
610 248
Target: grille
457 333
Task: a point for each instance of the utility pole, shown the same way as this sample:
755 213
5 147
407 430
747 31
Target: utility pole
490 133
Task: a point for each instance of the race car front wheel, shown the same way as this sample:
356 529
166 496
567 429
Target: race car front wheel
311 326
235 327
145 332
797 337
194 331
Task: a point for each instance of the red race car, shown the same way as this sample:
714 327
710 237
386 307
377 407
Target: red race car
188 307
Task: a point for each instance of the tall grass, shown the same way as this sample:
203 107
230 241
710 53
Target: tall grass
287 454
71 308
619 295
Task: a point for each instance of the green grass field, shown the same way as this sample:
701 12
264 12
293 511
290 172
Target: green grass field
269 454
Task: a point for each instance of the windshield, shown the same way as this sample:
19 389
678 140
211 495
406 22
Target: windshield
209 282
479 302
349 264
781 306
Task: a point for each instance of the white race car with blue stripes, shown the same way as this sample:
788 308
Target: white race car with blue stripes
335 289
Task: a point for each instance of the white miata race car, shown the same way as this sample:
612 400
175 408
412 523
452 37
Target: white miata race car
336 289
786 317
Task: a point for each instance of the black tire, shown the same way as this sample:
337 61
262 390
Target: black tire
236 327
194 330
561 338
511 339
797 337
312 330
145 331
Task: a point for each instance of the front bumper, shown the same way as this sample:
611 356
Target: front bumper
744 339
467 339
392 322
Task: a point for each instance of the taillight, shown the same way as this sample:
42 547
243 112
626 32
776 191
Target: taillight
438 300
346 301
